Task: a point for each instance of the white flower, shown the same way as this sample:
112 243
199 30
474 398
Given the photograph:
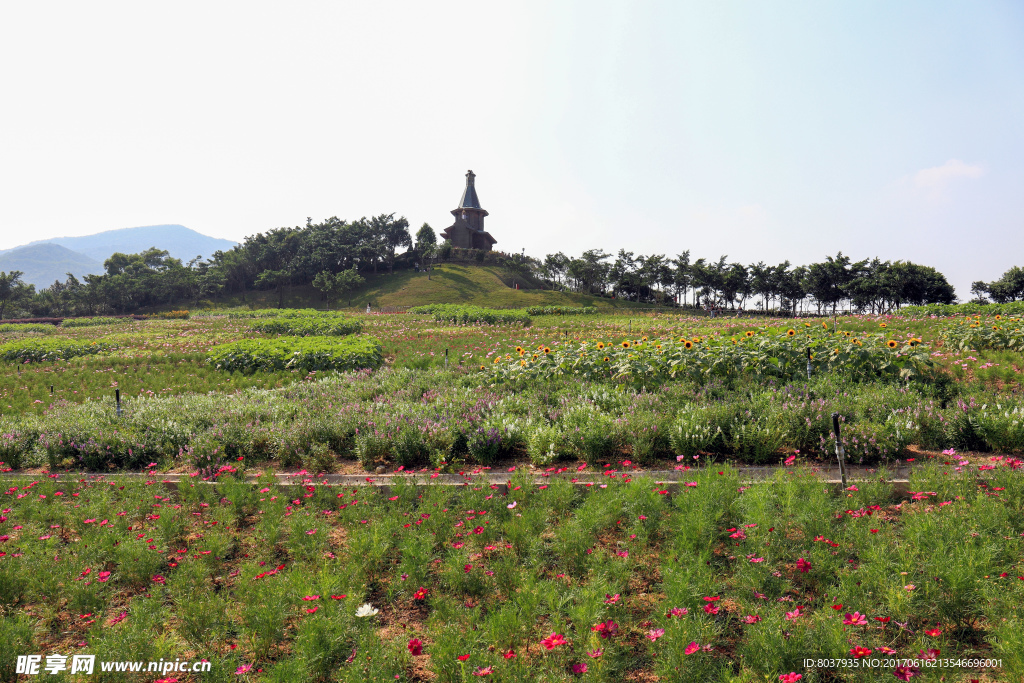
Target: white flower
366 610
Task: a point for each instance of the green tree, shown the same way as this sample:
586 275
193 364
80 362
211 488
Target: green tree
274 279
336 285
13 292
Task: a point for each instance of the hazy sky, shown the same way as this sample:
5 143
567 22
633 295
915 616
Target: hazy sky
764 131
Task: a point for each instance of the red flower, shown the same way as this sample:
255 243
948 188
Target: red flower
691 648
933 632
159 579
791 677
462 658
606 629
420 594
484 671
312 610
711 609
415 647
837 607
552 641
509 655
884 620
859 652
803 565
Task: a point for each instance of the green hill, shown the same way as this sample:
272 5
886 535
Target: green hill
448 283
42 264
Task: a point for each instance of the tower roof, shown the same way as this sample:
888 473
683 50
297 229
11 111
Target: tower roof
469 198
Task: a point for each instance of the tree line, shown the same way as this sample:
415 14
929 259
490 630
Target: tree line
335 255
835 283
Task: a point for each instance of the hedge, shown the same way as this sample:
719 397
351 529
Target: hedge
298 353
284 313
1012 308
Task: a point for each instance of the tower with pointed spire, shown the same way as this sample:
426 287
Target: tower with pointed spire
467 232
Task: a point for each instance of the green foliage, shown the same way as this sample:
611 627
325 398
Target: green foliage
9 328
561 310
298 353
306 326
468 315
92 322
49 350
995 333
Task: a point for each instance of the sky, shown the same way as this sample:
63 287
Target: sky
762 131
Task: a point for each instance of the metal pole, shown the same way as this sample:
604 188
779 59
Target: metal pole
808 363
117 399
446 359
840 453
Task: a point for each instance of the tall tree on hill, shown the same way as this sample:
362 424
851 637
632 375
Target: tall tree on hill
13 291
681 275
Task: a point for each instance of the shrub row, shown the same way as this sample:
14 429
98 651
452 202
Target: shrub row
467 315
6 328
307 326
49 350
298 353
167 315
561 310
282 313
92 322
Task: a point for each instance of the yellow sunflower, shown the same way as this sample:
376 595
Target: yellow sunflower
891 344
547 349
883 325
749 333
998 317
520 350
688 344
600 345
790 332
606 359
625 344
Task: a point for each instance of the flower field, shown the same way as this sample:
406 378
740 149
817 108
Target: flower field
577 563
620 580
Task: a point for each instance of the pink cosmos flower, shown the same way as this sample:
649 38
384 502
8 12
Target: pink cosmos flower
611 599
751 618
243 669
594 654
579 668
855 619
655 633
311 597
905 673
484 671
711 609
793 616
691 648
803 565
159 579
415 647
791 677
103 577
859 651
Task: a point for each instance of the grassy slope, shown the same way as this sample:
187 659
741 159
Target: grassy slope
449 283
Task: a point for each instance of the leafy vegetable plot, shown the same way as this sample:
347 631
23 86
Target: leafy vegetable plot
298 353
309 326
467 315
46 350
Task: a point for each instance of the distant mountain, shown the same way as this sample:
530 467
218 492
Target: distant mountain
181 242
42 264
